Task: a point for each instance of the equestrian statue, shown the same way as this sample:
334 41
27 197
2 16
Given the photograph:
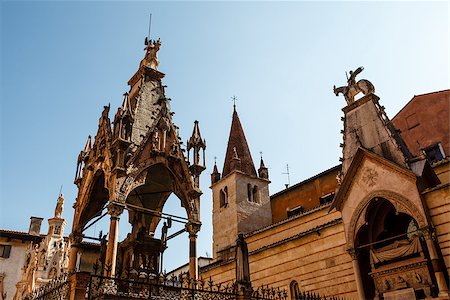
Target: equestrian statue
353 88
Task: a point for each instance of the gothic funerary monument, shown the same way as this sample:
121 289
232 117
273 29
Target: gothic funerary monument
374 227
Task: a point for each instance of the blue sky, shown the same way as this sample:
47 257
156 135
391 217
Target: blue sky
62 61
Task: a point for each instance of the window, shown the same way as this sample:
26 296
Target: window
5 251
295 290
434 153
224 197
255 194
252 193
295 211
326 198
57 229
249 193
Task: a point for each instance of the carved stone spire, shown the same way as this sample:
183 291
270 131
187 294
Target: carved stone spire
196 143
237 145
367 126
88 145
83 157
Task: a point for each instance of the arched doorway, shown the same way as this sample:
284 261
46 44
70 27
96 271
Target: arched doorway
391 253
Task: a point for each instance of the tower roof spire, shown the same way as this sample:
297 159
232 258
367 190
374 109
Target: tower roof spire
237 142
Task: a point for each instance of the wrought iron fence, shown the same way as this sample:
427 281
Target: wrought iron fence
314 296
266 292
160 287
57 289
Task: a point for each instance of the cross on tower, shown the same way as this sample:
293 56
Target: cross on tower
234 102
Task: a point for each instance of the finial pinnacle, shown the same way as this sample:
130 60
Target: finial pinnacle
234 98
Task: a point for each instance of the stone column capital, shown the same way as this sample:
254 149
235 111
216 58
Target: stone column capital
193 228
75 238
115 209
353 253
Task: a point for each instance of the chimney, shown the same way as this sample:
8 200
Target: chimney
35 226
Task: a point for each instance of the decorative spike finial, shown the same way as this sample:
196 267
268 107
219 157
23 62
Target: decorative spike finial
234 98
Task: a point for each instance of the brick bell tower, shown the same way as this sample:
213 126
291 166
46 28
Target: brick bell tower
241 201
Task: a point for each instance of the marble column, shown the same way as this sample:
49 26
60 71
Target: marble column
437 265
193 228
75 240
114 210
359 284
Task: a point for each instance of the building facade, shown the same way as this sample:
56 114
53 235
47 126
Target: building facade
30 259
376 226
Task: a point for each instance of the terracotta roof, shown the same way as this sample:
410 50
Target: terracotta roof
237 140
20 235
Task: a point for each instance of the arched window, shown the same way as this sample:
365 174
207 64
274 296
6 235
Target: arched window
249 193
295 290
224 197
256 194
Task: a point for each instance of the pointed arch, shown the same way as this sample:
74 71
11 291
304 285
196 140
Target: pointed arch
400 203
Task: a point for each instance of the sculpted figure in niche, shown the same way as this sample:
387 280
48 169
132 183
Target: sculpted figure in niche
354 87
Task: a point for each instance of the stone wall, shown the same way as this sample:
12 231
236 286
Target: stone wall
240 215
438 203
309 249
306 194
12 265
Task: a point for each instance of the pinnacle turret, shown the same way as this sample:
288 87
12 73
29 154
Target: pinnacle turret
263 172
215 175
196 143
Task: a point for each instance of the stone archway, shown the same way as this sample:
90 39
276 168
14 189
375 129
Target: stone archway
389 250
400 203
147 193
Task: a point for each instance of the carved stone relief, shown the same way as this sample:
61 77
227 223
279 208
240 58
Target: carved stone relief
370 177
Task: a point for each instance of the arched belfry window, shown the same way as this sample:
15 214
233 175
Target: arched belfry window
256 194
224 197
295 290
249 193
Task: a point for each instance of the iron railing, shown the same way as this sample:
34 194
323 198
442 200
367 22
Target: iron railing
160 287
266 292
314 296
57 289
